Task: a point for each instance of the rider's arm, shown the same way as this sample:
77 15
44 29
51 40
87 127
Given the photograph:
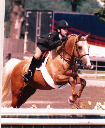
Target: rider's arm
54 43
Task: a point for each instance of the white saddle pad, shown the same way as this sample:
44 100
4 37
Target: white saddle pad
47 77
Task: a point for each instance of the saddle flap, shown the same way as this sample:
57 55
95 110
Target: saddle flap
44 55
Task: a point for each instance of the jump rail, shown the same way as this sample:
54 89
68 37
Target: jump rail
51 117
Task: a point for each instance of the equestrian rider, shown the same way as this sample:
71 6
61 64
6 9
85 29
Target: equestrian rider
48 43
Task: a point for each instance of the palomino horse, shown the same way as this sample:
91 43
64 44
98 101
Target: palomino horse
59 68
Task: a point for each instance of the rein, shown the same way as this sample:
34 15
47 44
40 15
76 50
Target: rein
78 52
68 60
62 57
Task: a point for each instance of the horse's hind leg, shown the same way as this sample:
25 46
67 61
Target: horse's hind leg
26 93
15 98
19 98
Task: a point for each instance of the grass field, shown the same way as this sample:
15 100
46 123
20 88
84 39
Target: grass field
92 74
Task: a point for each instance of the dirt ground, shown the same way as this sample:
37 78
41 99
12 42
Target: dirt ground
58 98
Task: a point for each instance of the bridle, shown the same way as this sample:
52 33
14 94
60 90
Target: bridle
68 60
80 57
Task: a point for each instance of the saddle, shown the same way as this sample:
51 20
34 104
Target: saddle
43 56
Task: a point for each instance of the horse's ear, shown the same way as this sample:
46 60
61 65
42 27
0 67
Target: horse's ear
87 36
79 37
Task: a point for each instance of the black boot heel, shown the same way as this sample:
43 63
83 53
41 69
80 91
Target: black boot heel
27 76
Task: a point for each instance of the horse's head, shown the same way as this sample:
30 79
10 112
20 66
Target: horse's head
81 50
76 46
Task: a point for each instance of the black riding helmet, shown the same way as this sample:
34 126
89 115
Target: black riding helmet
62 24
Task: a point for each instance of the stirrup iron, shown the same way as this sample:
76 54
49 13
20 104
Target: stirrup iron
27 76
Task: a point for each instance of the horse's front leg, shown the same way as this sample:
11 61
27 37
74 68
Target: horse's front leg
74 96
83 84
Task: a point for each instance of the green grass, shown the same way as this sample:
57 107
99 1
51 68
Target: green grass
92 72
95 77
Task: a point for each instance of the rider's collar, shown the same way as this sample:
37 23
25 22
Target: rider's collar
60 36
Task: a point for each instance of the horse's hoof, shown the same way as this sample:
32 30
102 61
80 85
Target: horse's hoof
71 101
78 95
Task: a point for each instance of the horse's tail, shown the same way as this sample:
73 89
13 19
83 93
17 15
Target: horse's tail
7 77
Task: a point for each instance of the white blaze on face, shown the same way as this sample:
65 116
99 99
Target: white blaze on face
85 53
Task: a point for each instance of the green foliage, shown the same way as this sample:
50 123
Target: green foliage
78 2
85 6
61 5
56 5
103 1
75 3
7 6
7 28
101 12
88 6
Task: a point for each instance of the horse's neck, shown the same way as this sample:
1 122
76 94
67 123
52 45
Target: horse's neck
71 46
59 50
68 48
54 53
56 63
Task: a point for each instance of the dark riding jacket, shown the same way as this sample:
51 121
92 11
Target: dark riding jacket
49 42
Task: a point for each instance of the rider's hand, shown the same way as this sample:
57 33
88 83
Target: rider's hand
64 38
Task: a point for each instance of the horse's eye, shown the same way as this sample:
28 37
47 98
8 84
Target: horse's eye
79 47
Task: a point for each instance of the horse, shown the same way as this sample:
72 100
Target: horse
57 71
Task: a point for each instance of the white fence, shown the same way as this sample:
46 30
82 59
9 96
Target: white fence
52 117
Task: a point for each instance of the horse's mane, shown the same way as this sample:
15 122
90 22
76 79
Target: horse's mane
70 38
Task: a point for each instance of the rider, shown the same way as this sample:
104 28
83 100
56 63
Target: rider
48 43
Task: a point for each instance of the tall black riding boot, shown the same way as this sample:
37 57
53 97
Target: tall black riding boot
32 66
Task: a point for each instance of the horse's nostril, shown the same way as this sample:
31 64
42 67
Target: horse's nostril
87 66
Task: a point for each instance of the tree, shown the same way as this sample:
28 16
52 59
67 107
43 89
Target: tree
101 12
16 16
74 4
16 11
